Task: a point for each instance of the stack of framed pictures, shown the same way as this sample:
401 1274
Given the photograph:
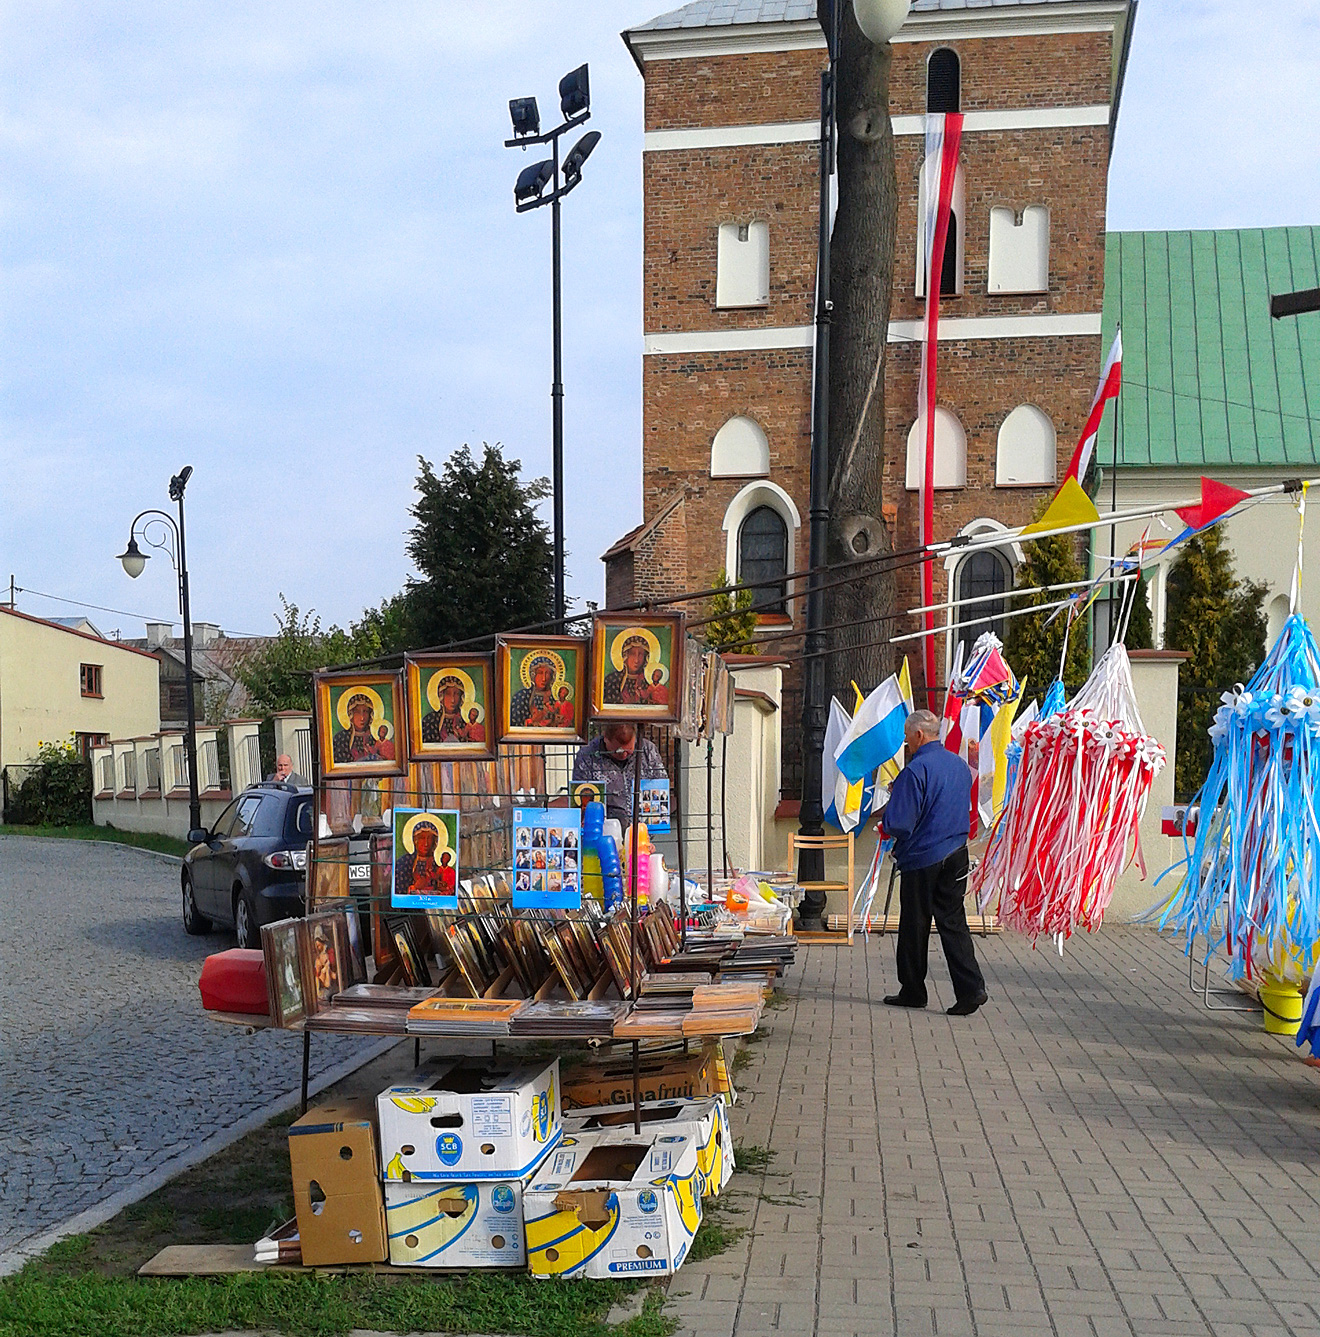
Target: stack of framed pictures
309 961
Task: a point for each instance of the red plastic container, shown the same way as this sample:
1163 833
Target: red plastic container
235 981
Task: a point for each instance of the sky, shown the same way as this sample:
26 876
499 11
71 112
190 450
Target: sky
277 242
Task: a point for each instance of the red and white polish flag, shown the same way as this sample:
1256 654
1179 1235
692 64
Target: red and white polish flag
1111 381
943 138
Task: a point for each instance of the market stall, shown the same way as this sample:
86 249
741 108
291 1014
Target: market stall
465 883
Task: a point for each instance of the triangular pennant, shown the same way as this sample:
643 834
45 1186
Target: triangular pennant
1216 499
1071 506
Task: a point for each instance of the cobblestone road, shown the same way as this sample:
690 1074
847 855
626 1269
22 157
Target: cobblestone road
1093 1154
108 1066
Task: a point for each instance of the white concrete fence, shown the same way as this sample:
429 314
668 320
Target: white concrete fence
141 784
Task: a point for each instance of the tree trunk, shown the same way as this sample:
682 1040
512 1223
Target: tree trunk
861 278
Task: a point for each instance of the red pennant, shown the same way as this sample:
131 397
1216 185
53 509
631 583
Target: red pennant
1216 500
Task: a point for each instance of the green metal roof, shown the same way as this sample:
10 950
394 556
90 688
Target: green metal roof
1208 378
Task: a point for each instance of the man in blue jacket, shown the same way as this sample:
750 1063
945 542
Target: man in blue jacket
929 815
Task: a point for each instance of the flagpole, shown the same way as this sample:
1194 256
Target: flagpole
1012 612
1005 536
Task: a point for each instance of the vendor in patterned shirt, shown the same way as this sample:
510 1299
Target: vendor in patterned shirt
608 763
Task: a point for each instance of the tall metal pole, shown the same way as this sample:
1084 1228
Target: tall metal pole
815 712
557 398
177 485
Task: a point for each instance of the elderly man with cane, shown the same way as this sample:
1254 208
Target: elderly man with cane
928 815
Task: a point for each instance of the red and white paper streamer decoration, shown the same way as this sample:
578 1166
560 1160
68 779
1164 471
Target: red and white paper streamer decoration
1071 825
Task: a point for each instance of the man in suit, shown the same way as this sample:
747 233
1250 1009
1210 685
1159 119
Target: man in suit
285 774
928 815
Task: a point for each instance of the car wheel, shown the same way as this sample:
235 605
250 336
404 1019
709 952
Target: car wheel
194 921
246 929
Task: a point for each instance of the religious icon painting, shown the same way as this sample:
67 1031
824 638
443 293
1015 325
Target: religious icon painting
425 859
541 688
637 667
358 717
284 981
450 707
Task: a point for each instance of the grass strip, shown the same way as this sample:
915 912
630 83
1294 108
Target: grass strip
33 1305
143 840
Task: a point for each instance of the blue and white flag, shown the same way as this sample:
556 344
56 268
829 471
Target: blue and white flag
875 734
833 787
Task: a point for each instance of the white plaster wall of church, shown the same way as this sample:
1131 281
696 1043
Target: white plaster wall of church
1263 538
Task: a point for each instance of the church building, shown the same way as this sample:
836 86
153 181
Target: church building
730 181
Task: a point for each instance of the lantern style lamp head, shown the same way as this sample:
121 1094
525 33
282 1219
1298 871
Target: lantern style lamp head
880 20
133 558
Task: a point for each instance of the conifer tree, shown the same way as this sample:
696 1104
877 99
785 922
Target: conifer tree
1034 649
735 620
1219 620
1140 632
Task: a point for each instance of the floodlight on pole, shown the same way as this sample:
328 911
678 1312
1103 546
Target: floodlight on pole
547 183
880 20
578 155
575 93
533 180
526 117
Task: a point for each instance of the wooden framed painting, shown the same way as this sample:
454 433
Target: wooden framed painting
358 718
541 688
321 947
451 715
637 667
284 982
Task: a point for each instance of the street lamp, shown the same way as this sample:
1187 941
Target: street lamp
529 192
879 21
160 530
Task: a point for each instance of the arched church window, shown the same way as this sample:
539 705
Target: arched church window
980 575
943 81
763 556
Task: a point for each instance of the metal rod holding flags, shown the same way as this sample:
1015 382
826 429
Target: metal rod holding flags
1012 612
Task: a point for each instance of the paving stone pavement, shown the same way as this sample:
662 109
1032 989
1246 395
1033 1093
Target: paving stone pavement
1093 1154
108 1066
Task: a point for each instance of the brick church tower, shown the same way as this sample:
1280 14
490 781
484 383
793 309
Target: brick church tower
730 185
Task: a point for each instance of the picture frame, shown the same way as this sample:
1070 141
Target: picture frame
637 667
359 716
354 958
321 952
451 707
540 688
282 947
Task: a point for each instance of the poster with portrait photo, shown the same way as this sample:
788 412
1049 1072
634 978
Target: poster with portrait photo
425 859
655 805
553 834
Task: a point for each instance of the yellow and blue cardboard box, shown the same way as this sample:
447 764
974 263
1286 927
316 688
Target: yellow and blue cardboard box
456 1225
610 1204
706 1120
464 1120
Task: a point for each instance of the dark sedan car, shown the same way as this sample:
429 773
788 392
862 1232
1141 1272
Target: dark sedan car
250 868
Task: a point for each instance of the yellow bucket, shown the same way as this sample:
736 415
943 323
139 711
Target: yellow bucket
1283 1006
